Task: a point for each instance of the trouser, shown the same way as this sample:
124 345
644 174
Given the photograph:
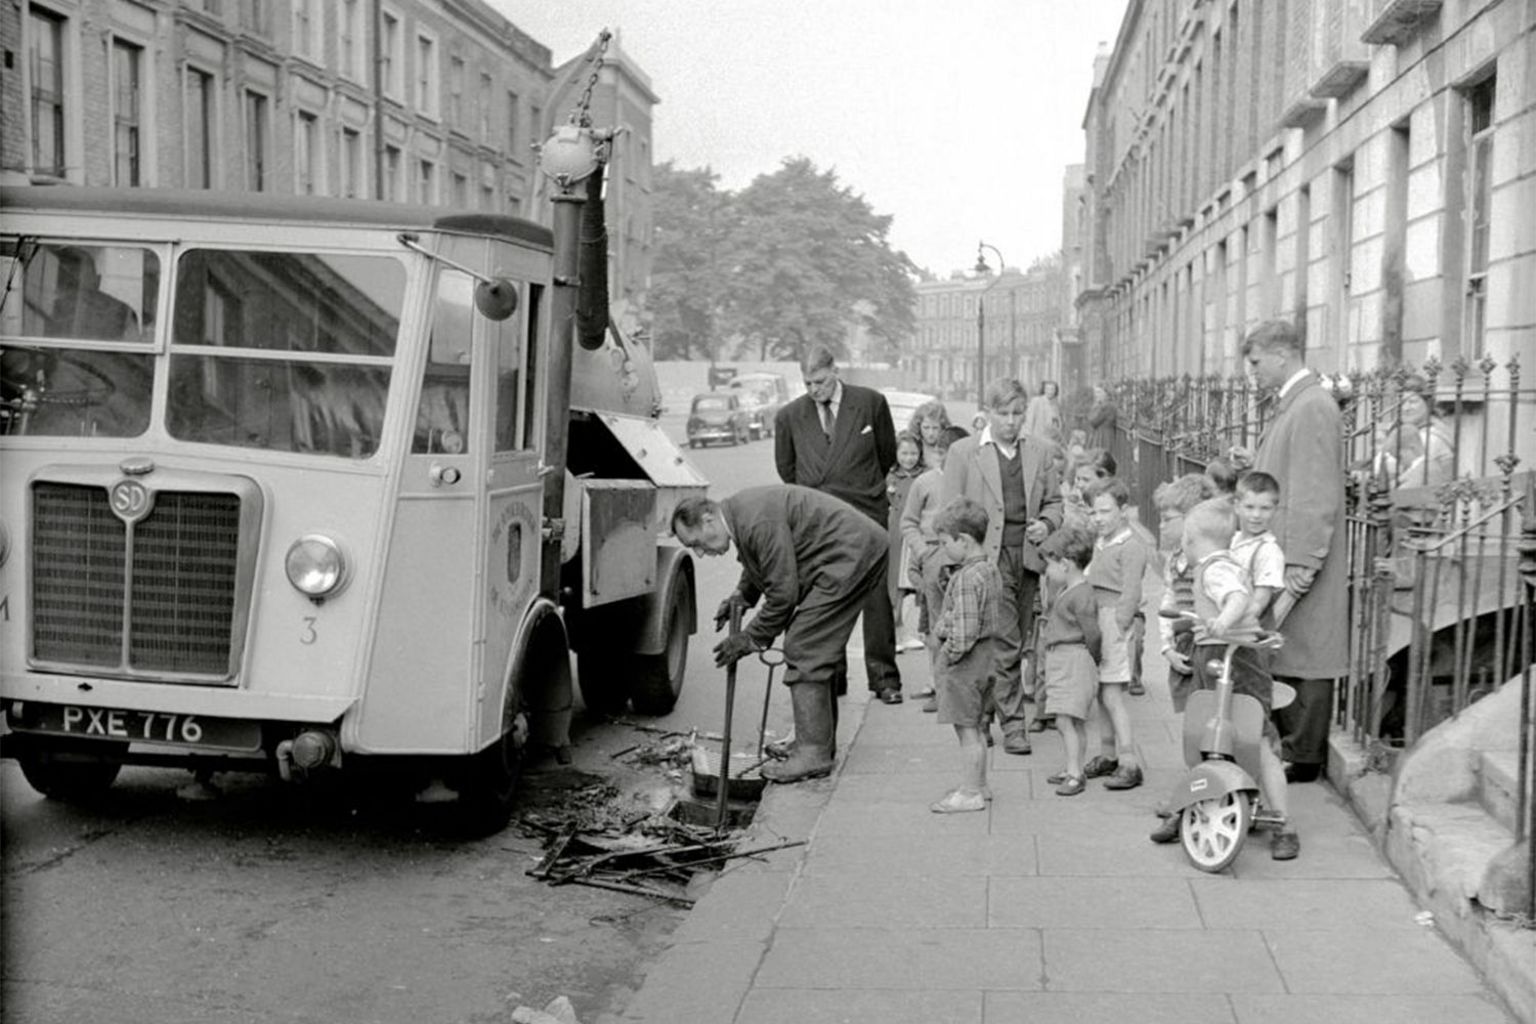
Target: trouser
816 642
1304 723
1016 630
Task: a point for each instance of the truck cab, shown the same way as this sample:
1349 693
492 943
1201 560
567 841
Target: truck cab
274 493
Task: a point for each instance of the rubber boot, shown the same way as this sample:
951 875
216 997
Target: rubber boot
811 757
779 750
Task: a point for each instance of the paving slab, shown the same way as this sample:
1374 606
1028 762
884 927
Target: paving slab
734 908
1374 1009
1368 960
930 857
1145 960
864 900
1305 904
1124 903
964 959
886 819
1111 1008
1125 852
860 1006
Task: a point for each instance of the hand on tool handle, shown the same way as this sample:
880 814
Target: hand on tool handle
723 614
733 648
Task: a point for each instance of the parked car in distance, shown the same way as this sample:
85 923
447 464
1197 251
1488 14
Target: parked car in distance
759 413
771 391
718 416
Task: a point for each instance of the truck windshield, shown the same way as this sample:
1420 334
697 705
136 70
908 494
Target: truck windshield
89 308
284 351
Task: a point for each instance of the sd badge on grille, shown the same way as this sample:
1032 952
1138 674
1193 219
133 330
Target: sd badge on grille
131 500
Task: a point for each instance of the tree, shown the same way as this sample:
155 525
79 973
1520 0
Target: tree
694 221
811 259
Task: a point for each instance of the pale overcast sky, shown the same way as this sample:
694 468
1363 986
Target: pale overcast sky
956 117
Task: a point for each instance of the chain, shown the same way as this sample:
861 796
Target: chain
582 115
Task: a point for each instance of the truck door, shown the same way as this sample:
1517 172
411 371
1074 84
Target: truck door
514 485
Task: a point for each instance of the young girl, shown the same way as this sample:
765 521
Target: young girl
909 453
929 421
1072 642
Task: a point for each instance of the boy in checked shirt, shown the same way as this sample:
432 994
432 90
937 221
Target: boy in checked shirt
969 626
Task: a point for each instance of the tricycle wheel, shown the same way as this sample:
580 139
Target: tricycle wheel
657 679
67 771
1214 830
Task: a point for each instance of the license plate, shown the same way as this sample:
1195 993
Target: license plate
135 726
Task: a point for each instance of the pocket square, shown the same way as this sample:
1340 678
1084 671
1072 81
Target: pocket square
867 428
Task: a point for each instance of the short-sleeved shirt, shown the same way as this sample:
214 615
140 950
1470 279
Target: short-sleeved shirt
1260 554
1217 577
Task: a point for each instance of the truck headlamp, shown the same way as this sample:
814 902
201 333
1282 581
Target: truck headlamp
316 567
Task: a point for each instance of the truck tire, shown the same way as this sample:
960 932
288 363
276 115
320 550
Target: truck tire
656 680
65 771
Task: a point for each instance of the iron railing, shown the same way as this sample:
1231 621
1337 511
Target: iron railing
1441 533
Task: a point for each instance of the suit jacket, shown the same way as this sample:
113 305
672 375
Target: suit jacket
854 464
1302 448
792 540
971 471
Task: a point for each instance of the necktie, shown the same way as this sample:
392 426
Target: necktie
825 408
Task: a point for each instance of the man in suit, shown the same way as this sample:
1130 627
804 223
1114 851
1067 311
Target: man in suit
838 438
814 561
1013 478
1302 447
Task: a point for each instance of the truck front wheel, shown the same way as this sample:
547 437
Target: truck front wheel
656 680
67 771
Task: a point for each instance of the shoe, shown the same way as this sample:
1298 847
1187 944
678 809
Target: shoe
889 695
1135 689
1125 777
1099 766
926 691
1017 743
1167 830
931 704
1284 845
1042 723
956 802
1303 772
1058 778
991 740
1072 785
910 644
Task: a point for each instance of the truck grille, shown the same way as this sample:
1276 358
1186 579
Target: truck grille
168 580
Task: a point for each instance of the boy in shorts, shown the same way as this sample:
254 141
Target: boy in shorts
1174 499
969 626
1071 641
1119 561
1224 612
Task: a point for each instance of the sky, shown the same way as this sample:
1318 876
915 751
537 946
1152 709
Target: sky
955 118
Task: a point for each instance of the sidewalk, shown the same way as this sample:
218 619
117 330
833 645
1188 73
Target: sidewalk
1043 909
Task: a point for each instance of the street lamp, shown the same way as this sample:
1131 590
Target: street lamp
981 316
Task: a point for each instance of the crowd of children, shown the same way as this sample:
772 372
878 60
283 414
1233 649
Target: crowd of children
1223 577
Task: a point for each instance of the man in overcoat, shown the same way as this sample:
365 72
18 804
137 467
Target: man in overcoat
1013 478
1302 448
839 438
813 560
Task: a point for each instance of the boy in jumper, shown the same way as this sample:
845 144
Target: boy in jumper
969 625
1224 612
1119 560
1072 644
